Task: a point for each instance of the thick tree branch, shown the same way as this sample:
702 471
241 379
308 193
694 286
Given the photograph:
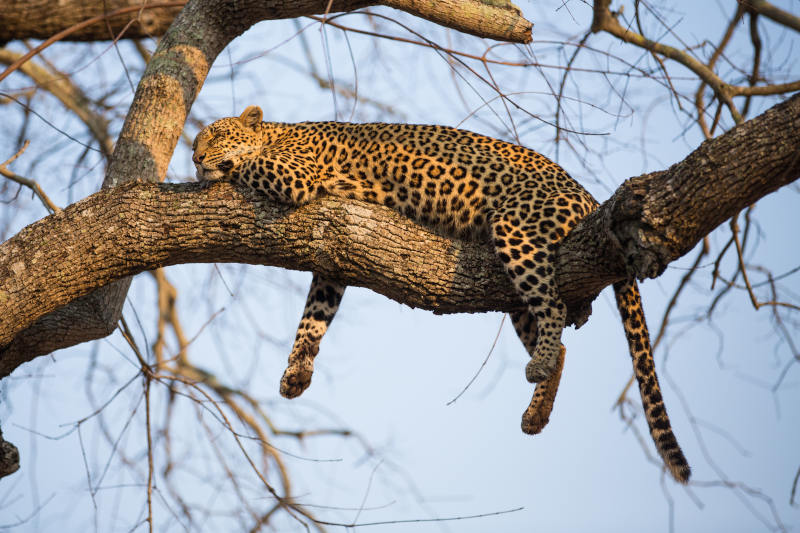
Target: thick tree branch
138 226
40 19
653 219
650 221
784 18
169 86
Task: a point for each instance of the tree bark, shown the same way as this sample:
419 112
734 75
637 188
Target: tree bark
655 218
134 19
139 226
650 221
41 19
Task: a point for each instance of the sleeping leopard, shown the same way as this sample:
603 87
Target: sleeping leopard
463 184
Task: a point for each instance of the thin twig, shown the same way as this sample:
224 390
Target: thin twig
605 20
735 230
698 97
480 369
148 425
27 182
79 26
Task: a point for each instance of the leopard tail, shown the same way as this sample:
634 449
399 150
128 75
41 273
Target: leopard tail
629 303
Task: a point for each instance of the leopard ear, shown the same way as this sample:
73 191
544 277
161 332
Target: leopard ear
251 117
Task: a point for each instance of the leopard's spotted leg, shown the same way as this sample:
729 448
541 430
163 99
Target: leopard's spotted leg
322 303
528 259
629 304
537 415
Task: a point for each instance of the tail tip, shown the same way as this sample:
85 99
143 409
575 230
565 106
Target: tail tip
681 472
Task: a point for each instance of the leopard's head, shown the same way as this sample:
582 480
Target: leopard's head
222 146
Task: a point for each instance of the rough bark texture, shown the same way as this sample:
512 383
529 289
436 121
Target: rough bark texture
9 457
40 19
139 226
650 221
653 219
165 94
496 19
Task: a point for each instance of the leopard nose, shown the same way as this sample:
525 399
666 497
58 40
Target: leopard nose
198 158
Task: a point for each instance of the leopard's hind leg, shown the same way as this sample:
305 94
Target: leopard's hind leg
537 415
322 303
528 256
526 247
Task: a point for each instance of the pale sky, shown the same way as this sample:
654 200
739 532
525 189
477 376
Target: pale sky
387 371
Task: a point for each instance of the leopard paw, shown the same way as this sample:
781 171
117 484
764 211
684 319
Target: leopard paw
546 355
538 369
534 420
297 378
537 415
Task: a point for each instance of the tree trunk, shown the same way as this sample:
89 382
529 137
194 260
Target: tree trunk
650 221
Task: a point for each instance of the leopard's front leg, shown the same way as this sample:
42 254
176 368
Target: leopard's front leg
322 303
290 174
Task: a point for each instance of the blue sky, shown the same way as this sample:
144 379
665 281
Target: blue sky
388 371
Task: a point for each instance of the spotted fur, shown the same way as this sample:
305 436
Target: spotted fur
459 182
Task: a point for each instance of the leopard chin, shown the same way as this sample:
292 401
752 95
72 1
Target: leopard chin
209 174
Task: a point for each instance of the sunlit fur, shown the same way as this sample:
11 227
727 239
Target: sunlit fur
458 181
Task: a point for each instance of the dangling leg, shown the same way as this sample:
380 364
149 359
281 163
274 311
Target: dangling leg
322 303
528 257
537 415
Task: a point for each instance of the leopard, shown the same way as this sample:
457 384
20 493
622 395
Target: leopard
462 184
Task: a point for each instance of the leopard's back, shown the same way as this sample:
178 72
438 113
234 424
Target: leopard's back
448 178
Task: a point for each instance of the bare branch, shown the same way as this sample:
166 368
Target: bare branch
72 29
656 218
605 20
27 182
784 18
73 98
726 38
41 19
100 21
125 230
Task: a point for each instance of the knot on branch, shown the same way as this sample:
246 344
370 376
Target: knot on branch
645 249
9 457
